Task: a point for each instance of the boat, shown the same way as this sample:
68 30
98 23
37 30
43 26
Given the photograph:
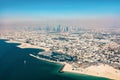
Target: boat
24 61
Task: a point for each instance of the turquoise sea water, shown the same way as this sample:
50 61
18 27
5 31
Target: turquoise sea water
12 66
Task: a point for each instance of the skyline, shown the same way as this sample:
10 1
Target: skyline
59 11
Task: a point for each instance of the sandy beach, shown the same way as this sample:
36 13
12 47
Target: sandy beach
11 41
101 71
26 45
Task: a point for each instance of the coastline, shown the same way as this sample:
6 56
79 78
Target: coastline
27 45
101 70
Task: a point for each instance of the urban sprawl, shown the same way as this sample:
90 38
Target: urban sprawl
77 46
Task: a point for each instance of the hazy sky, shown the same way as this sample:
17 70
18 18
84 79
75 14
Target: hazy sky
45 11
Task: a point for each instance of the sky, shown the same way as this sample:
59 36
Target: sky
55 11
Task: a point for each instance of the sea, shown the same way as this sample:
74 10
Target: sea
16 64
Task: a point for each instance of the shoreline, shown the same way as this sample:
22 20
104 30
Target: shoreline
27 45
101 70
62 63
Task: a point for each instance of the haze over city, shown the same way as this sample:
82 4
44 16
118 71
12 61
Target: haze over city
84 13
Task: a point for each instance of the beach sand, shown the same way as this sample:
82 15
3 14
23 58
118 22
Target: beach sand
11 41
100 70
26 45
